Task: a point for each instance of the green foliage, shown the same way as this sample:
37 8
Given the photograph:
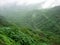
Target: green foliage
35 28
13 35
4 40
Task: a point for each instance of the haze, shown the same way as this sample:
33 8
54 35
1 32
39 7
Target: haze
46 4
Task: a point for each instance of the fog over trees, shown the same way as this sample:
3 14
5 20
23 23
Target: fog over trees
29 22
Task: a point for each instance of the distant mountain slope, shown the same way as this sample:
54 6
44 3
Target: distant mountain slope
3 21
15 35
35 27
48 19
45 19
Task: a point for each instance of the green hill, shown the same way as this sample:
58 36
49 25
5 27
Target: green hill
37 27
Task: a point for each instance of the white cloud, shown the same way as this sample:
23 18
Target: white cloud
57 2
2 2
48 3
28 2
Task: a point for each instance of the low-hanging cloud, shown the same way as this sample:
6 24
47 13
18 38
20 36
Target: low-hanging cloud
47 3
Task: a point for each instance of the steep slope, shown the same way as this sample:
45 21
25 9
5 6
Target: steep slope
13 34
47 20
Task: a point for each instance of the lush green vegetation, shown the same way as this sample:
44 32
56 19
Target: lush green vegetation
37 27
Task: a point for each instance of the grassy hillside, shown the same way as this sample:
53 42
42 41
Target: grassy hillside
37 27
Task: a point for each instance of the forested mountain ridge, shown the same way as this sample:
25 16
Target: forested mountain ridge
35 27
48 19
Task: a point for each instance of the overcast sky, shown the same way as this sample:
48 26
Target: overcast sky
29 2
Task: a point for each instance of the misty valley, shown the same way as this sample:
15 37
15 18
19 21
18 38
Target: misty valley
29 25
